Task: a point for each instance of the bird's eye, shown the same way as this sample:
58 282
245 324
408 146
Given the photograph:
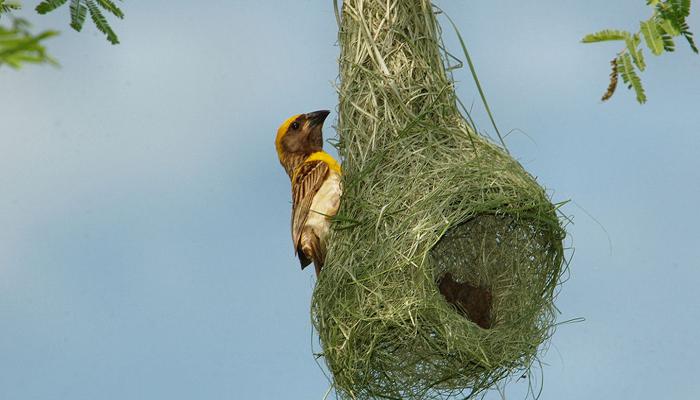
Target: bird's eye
295 125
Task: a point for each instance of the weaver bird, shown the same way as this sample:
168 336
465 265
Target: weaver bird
316 187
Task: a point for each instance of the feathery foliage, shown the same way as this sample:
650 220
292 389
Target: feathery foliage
667 22
6 7
79 10
49 5
18 45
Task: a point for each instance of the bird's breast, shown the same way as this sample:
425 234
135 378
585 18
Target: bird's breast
325 204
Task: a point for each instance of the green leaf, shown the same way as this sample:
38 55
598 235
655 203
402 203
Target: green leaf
78 12
111 7
606 35
652 37
49 5
6 8
632 44
685 31
669 27
667 33
681 8
639 61
685 7
672 15
21 25
667 22
630 77
101 22
18 46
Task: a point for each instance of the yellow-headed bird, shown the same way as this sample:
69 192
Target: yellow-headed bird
316 187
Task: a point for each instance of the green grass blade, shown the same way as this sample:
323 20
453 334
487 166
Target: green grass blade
476 81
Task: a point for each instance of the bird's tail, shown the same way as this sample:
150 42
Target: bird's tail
312 249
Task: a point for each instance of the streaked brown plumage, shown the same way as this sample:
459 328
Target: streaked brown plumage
315 178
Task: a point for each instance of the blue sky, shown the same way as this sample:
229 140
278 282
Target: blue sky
144 240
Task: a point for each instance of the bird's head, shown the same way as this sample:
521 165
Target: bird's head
301 134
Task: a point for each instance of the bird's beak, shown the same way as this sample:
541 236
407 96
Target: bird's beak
317 117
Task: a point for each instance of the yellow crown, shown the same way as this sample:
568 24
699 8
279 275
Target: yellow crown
281 131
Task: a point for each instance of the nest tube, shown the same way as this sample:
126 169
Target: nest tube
445 256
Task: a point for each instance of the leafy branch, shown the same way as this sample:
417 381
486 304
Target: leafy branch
18 45
79 9
8 7
667 22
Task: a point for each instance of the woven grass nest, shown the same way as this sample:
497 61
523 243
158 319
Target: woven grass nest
446 254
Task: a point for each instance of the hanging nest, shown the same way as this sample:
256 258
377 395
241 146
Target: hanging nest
446 254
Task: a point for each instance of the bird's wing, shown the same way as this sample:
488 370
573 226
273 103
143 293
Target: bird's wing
307 181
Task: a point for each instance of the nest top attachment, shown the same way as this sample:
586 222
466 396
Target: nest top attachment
445 256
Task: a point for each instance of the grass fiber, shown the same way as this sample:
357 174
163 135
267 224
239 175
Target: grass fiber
425 195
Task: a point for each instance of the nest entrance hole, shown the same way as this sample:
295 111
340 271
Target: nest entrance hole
480 264
473 302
